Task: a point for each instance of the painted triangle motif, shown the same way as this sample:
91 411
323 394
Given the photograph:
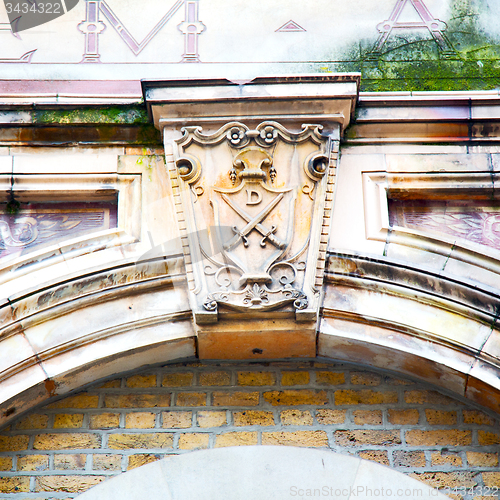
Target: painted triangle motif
290 26
421 18
409 14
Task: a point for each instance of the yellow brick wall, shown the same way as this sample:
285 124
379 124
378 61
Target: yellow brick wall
71 444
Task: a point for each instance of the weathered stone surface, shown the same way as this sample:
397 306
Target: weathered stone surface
66 441
33 462
310 439
403 417
479 459
236 439
235 398
491 479
215 378
68 420
364 437
177 419
5 463
256 378
141 381
367 417
380 457
408 458
111 384
296 397
141 459
136 400
207 419
296 417
253 417
70 462
477 417
177 379
365 378
440 417
191 399
33 421
488 438
446 479
140 420
107 462
68 484
193 441
444 437
295 378
397 381
452 459
14 484
83 400
330 378
104 420
329 417
134 440
422 397
366 396
14 443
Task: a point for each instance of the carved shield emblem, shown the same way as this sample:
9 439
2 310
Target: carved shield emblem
260 217
257 201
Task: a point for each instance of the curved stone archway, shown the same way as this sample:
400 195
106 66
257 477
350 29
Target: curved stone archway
90 334
263 472
425 304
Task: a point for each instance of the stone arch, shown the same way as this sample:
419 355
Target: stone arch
264 472
124 334
424 303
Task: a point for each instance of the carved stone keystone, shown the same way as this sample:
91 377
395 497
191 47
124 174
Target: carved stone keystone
252 170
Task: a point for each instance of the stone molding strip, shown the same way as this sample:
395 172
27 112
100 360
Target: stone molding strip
462 354
425 117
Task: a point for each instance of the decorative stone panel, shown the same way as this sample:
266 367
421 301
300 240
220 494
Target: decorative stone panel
252 173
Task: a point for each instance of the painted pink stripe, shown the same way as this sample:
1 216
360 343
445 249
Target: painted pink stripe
191 43
92 12
91 45
191 12
84 87
422 10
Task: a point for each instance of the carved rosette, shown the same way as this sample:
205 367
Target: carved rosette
253 207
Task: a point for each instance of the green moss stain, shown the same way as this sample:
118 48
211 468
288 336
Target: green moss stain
412 60
148 134
112 124
117 115
149 161
12 207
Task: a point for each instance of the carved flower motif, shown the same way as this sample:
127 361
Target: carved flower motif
235 135
301 301
256 295
268 134
210 305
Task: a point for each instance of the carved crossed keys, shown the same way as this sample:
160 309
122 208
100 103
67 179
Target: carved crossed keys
253 223
263 208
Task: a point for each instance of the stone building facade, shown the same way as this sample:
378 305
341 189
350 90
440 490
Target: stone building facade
200 263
